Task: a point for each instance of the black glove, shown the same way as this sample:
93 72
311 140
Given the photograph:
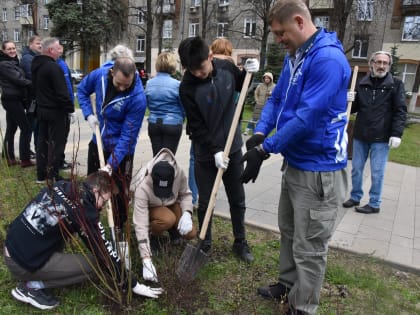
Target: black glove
254 159
254 141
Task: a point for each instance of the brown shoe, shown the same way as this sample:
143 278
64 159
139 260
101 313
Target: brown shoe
27 163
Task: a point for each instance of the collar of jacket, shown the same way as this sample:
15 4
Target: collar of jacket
388 80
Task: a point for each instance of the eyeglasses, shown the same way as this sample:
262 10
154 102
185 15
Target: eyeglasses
379 62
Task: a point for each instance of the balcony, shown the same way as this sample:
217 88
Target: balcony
321 4
28 20
410 7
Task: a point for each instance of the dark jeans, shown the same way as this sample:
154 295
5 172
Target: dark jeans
50 147
122 177
16 117
205 174
164 136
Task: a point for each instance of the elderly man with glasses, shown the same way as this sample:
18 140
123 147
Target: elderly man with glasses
381 115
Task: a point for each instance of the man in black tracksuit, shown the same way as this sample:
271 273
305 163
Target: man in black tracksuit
207 92
53 107
35 241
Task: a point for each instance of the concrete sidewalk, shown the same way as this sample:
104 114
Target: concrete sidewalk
392 235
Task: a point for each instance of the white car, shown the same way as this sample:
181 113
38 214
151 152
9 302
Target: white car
76 75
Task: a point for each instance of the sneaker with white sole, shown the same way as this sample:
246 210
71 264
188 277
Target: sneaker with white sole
38 298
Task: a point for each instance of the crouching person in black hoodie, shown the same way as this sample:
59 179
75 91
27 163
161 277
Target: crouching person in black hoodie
35 241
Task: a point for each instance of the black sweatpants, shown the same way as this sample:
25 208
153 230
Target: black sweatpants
205 174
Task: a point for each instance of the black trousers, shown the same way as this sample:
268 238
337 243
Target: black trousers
205 174
50 147
16 117
164 136
122 177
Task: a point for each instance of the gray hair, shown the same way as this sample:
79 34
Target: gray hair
121 51
381 52
48 42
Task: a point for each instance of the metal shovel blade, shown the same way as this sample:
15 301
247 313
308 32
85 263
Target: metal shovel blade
192 259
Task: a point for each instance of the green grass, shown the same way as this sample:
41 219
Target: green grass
409 151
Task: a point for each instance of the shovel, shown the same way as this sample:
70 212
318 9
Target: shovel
193 257
108 205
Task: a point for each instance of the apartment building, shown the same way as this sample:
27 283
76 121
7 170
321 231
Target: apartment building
371 25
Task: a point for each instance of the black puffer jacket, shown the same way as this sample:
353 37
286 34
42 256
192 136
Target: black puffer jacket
12 78
381 109
51 93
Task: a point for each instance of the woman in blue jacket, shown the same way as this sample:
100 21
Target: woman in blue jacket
166 110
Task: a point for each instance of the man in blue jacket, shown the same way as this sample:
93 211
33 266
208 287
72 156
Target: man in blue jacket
120 107
308 111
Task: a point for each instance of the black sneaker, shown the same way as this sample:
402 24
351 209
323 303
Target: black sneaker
36 297
274 291
241 249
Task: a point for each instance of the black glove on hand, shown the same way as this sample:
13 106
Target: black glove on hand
254 141
254 159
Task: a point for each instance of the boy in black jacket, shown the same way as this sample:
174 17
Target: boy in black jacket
36 238
207 92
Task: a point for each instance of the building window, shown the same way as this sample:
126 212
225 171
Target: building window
26 10
195 3
250 26
17 13
360 48
193 29
45 22
79 2
223 3
322 21
167 5
46 1
365 10
140 16
221 29
167 29
411 30
4 15
141 43
4 35
30 33
16 35
407 73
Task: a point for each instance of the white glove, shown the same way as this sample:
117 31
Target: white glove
144 290
220 161
185 223
124 253
72 118
252 65
351 96
93 122
394 142
107 168
149 270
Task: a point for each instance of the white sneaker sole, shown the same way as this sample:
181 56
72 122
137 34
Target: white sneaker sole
18 296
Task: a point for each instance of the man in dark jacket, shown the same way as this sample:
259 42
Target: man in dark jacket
381 115
28 53
35 240
53 106
207 92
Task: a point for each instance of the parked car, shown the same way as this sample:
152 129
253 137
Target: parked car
76 75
